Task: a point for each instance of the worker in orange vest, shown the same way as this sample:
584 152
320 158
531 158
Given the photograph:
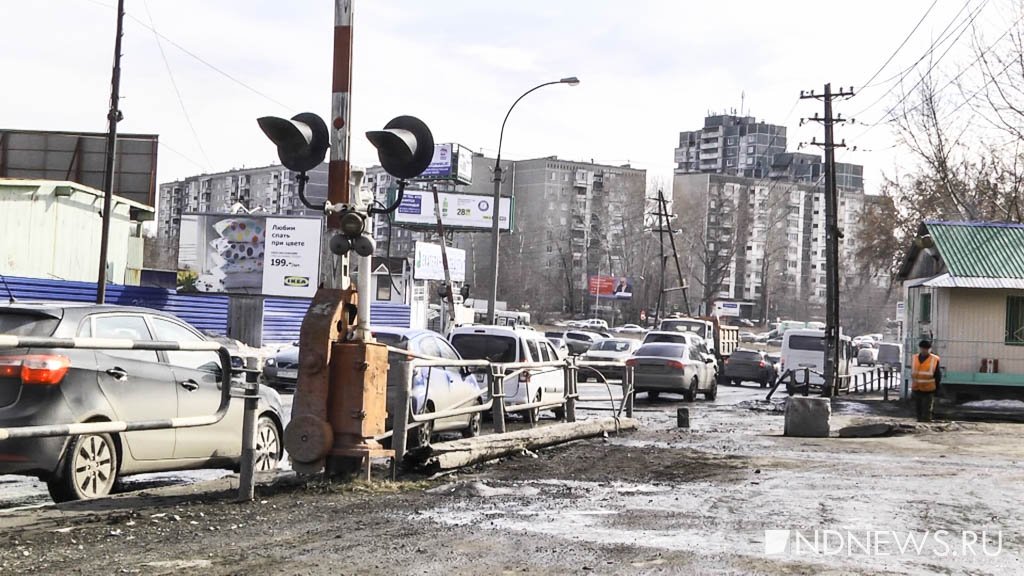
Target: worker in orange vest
925 378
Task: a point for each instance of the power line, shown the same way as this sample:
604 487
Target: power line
943 36
196 57
902 44
181 102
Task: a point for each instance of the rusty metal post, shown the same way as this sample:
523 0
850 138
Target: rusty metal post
400 416
334 270
247 465
498 398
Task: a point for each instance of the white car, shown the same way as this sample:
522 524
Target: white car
595 323
503 344
630 329
690 339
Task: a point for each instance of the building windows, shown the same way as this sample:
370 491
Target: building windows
750 161
1015 320
926 308
750 149
383 288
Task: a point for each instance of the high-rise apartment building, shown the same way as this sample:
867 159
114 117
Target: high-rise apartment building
757 226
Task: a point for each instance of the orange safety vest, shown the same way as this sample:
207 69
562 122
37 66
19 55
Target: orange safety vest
922 374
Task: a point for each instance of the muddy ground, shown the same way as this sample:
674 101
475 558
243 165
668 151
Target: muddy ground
657 501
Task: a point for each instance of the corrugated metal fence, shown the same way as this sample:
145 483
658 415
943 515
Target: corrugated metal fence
282 318
208 312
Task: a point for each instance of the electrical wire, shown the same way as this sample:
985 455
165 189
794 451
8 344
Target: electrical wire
900 47
195 56
177 92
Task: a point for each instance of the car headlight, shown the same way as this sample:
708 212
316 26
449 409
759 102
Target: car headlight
271 362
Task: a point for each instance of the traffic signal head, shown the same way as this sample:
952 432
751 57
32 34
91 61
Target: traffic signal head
405 147
302 142
352 236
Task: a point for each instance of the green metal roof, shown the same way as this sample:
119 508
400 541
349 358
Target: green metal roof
980 249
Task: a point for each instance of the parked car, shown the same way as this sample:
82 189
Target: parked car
595 323
669 367
560 346
750 366
867 356
748 337
507 345
64 386
890 355
609 349
579 341
433 389
281 371
630 329
776 360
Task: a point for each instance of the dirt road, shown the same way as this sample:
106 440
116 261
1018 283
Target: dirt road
657 501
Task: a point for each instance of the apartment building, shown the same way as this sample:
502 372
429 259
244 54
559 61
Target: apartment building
731 145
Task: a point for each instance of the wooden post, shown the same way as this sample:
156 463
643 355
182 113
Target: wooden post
400 417
247 465
627 389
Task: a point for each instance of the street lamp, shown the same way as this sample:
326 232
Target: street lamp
496 209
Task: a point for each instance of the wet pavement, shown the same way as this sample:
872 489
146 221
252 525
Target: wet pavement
661 500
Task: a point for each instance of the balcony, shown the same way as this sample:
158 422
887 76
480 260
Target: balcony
709 144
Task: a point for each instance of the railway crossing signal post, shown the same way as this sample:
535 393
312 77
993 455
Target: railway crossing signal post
832 232
340 400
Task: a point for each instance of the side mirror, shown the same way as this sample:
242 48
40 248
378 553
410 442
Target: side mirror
709 360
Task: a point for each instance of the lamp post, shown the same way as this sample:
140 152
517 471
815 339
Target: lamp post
492 298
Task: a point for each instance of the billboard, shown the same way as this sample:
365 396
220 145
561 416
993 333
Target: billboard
428 264
82 157
450 162
616 287
465 211
726 308
249 254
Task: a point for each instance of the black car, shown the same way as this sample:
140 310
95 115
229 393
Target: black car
281 372
65 386
749 366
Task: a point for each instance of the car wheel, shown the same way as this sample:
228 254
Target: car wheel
88 470
269 448
533 414
691 394
737 382
712 393
420 436
652 395
473 430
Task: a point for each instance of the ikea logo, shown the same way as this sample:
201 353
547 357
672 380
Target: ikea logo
296 281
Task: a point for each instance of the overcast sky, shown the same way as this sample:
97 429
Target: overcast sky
648 69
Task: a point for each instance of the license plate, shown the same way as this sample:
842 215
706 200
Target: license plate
292 374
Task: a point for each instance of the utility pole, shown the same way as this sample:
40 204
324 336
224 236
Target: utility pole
665 227
832 233
675 253
113 117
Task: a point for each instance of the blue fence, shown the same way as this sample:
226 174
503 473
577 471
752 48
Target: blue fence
282 318
204 311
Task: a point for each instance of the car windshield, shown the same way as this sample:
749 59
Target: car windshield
485 347
554 334
748 355
611 346
20 324
811 343
676 339
683 326
390 339
662 350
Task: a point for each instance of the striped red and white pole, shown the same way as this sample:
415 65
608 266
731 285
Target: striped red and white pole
341 112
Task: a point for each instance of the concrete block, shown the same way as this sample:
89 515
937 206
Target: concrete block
808 416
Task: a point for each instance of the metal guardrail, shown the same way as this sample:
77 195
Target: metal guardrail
869 381
8 342
404 420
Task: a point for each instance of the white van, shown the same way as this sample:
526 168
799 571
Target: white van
506 344
805 348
